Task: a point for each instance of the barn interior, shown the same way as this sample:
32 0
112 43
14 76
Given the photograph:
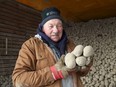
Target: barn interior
88 22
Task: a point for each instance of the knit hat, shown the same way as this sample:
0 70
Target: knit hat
50 13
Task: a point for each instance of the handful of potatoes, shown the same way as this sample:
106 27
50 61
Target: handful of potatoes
80 56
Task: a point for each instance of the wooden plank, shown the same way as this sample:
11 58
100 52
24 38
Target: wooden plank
11 45
7 65
18 20
12 35
20 26
21 7
2 61
5 71
12 31
11 41
3 38
8 57
11 49
9 54
9 27
18 14
12 52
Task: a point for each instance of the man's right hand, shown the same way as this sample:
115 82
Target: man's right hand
60 70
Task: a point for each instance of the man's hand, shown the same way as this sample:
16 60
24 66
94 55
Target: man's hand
60 70
85 71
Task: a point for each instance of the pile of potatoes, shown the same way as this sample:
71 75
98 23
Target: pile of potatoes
101 34
6 81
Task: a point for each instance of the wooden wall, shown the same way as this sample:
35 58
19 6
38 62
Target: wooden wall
17 23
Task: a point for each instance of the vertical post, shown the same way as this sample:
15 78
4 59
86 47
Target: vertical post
6 46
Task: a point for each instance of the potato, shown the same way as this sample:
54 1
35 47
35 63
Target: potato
88 60
81 61
70 60
88 51
78 50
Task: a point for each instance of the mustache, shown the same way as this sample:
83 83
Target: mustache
55 34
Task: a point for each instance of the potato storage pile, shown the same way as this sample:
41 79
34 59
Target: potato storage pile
101 35
6 81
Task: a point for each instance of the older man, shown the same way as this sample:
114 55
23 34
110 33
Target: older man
40 60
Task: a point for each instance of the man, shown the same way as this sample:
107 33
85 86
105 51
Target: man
40 61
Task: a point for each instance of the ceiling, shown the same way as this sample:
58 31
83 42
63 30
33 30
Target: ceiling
77 10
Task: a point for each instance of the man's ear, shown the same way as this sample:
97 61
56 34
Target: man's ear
39 29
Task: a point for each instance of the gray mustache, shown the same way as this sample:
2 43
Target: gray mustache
55 34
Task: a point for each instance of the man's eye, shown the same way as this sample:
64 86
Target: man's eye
59 26
50 26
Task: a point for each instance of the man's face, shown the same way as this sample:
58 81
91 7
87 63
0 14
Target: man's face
53 29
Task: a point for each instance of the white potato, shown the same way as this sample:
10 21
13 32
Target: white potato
88 51
70 60
81 61
78 50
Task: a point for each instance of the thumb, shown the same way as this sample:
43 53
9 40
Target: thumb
62 58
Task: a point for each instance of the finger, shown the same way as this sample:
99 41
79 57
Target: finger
91 63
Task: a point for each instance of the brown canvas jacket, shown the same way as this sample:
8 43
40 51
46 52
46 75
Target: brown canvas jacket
32 67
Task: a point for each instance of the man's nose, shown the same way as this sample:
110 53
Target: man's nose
55 29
